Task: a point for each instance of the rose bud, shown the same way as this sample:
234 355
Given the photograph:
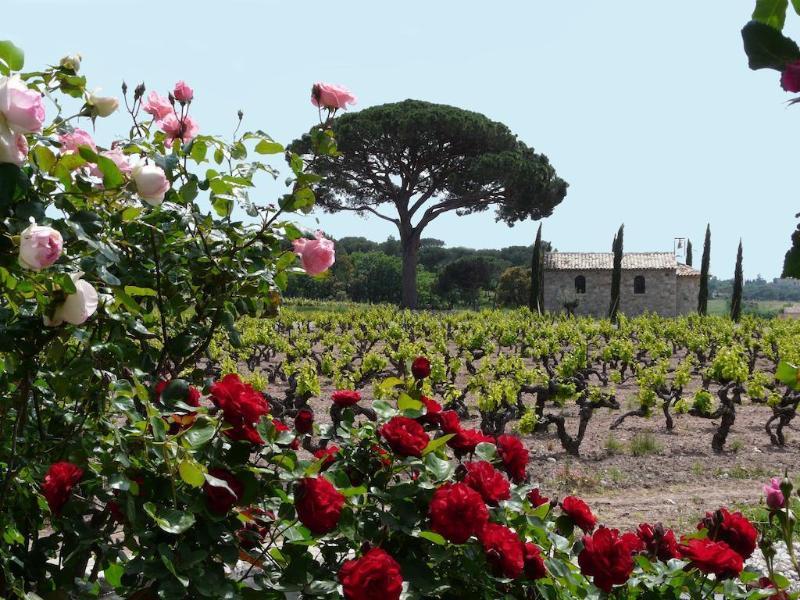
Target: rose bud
182 92
77 307
304 421
316 255
71 62
39 247
421 367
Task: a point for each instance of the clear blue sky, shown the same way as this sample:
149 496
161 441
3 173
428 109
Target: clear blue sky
647 109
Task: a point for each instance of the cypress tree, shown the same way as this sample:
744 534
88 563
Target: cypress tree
738 284
702 296
536 303
616 275
689 253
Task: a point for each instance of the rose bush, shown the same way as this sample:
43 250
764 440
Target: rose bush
128 462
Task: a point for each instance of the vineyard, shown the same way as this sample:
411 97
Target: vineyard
684 400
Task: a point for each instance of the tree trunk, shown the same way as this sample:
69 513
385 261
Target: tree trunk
410 245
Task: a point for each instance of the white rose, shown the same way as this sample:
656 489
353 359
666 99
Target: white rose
77 307
103 105
151 183
39 247
72 62
13 146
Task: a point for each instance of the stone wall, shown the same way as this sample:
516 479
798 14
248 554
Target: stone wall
659 296
688 289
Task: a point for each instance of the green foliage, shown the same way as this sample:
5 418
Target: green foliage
738 283
616 274
705 265
513 289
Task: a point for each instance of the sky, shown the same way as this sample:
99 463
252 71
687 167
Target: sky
647 109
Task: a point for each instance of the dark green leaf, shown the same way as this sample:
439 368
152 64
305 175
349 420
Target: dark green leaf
768 48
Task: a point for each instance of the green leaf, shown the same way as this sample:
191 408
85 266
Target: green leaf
107 276
771 12
433 537
133 290
486 451
434 445
200 433
44 158
353 491
170 520
191 473
796 5
269 147
788 374
130 213
406 402
65 282
440 468
768 48
113 575
12 58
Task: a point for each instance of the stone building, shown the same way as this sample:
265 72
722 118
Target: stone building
652 282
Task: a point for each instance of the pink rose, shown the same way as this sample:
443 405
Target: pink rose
151 183
775 498
790 78
331 96
183 130
76 138
21 107
316 255
182 92
13 147
77 307
120 159
39 247
158 106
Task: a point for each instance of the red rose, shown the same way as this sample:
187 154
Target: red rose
659 542
329 454
504 550
579 512
58 482
421 367
219 499
374 575
457 512
466 440
514 456
449 421
534 563
712 557
432 411
304 421
732 528
536 499
242 407
318 504
405 436
345 398
790 77
487 481
606 557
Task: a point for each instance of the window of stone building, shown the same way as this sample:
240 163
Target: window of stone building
580 284
638 284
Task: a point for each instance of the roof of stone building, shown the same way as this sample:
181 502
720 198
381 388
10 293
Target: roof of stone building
687 271
587 261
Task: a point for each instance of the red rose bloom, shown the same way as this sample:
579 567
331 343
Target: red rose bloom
374 575
457 512
535 497
345 398
304 421
242 407
790 77
712 557
579 512
659 542
514 456
732 528
504 550
405 436
487 481
449 421
432 411
329 454
421 367
606 557
466 440
219 499
534 563
318 504
58 482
